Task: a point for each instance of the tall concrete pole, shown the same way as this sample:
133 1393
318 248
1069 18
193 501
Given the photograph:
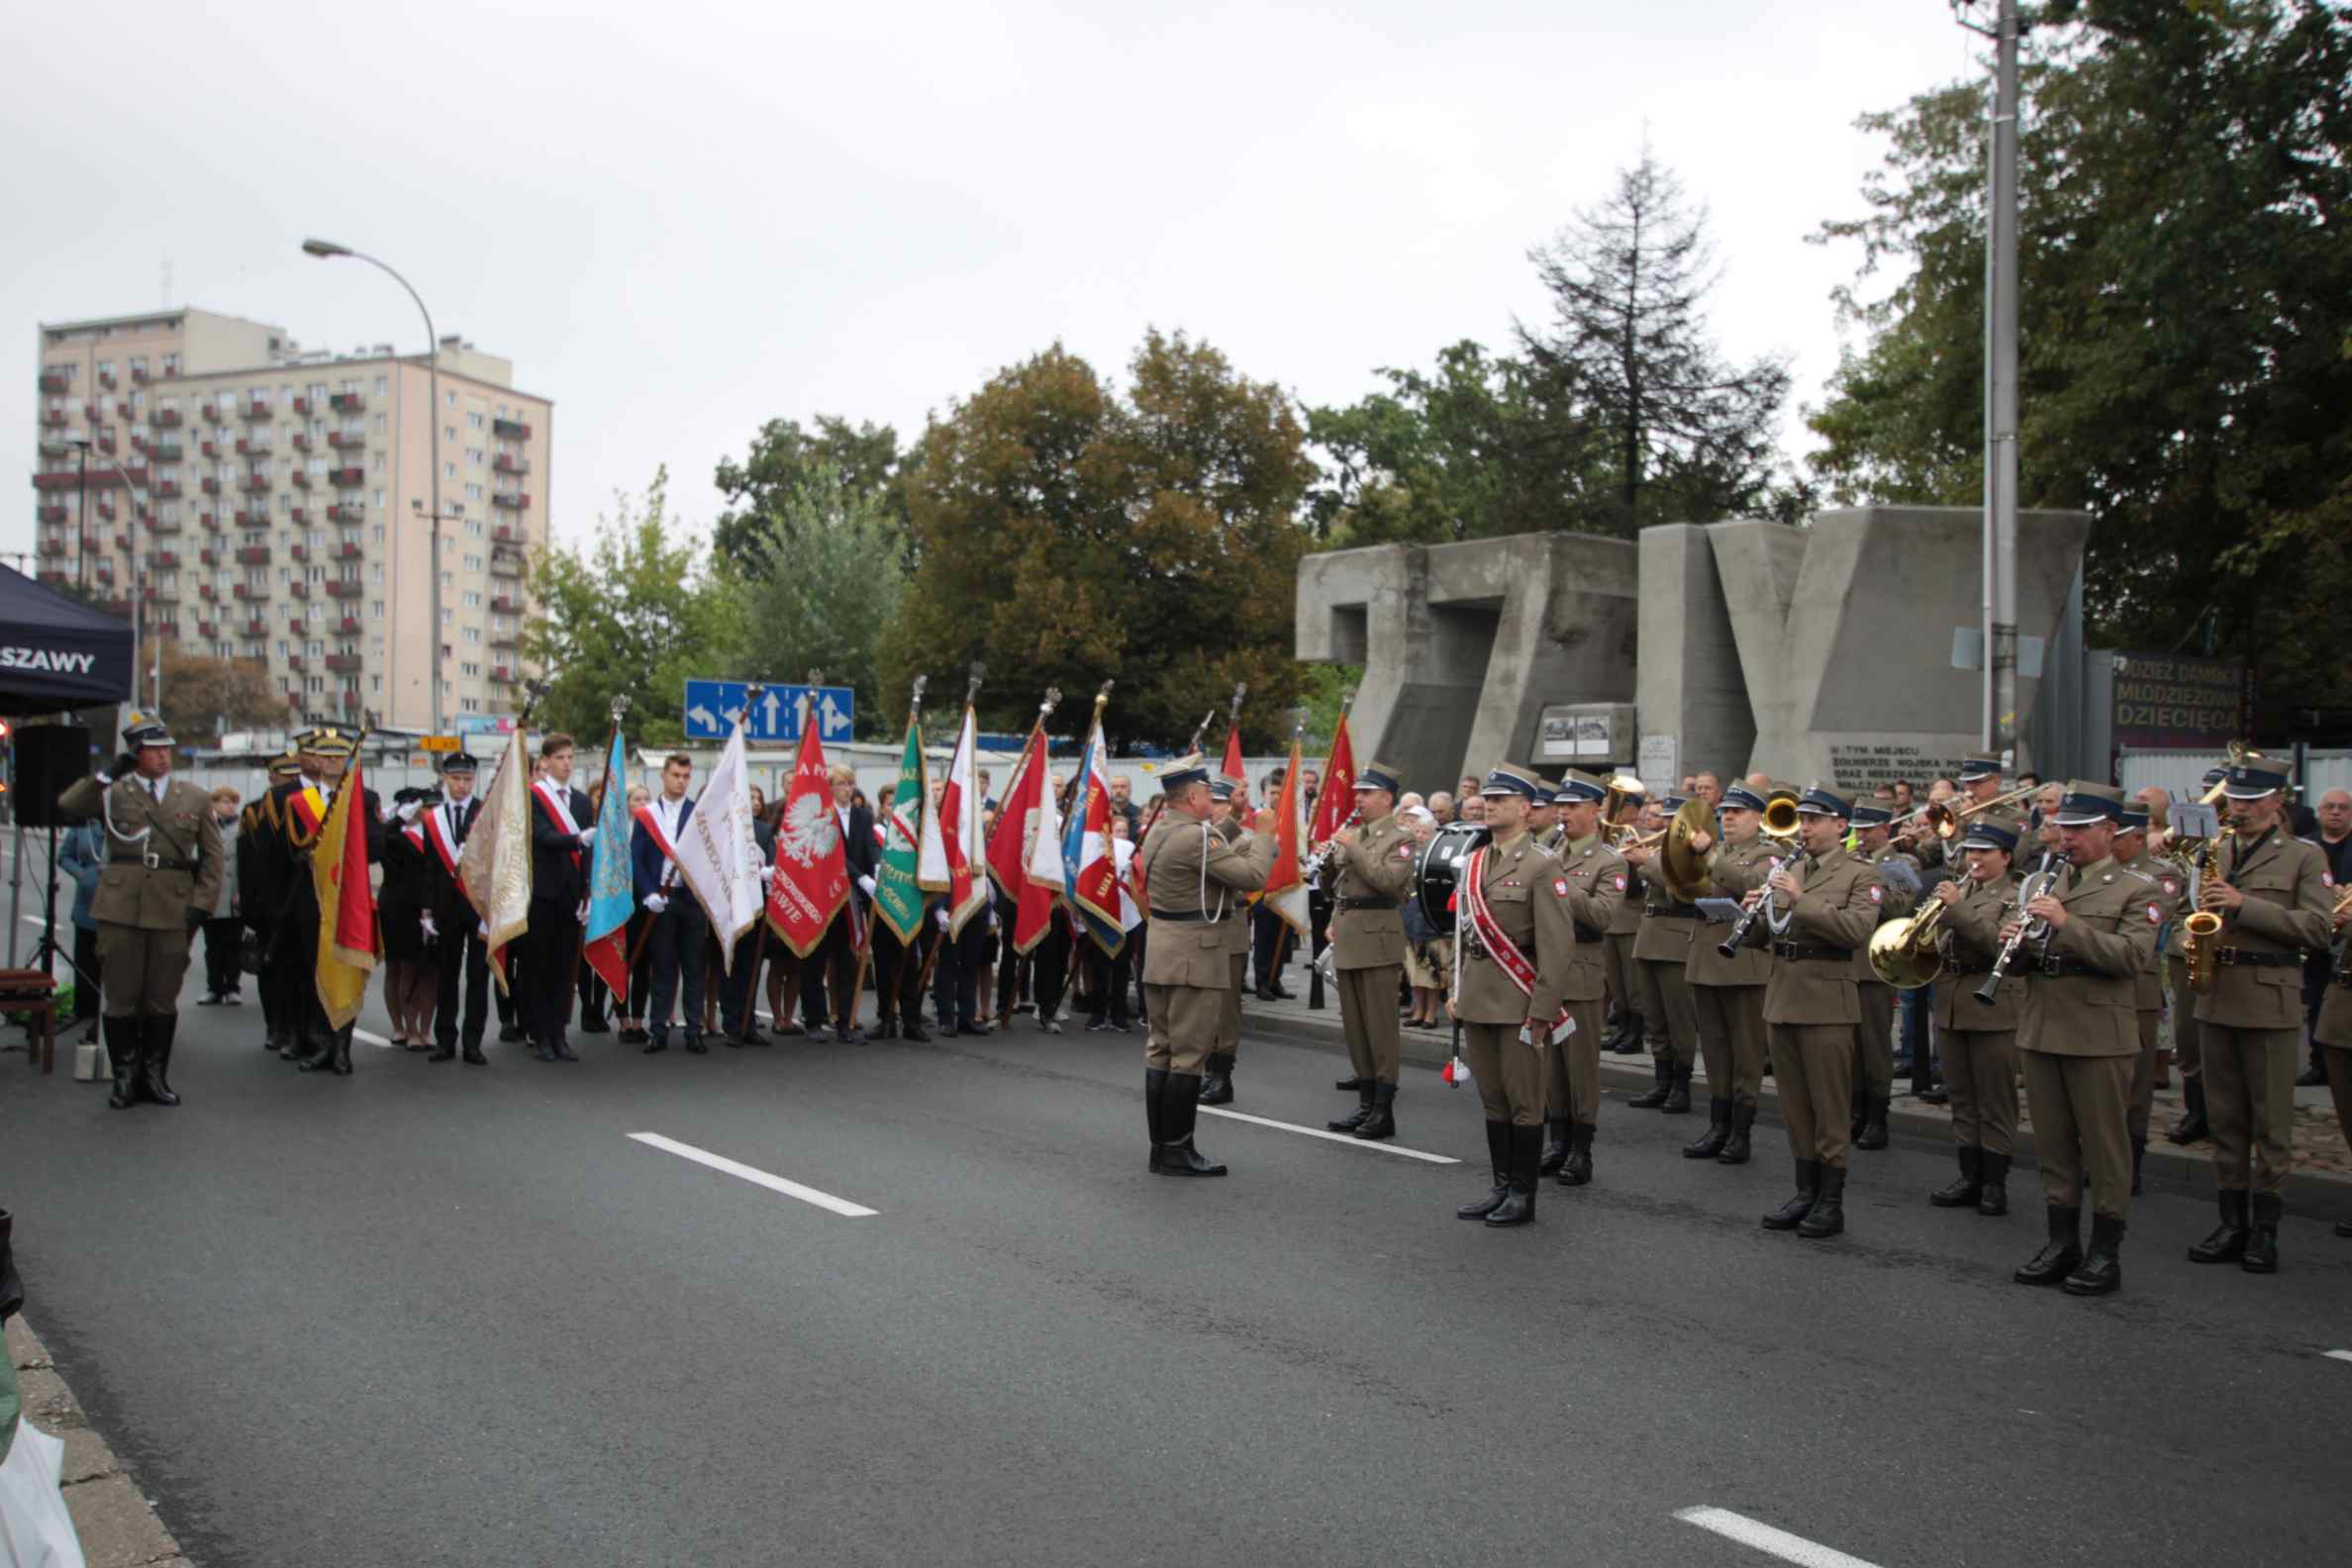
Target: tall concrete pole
2001 396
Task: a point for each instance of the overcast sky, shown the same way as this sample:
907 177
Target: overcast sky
681 220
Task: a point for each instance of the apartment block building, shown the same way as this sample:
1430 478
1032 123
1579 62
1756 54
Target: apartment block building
259 502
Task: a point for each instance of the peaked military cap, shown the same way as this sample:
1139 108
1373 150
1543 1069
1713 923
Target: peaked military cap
1867 815
2249 780
2087 802
1508 780
284 767
328 740
1986 833
1577 786
143 733
1820 798
1742 796
1376 777
461 763
1193 769
1979 765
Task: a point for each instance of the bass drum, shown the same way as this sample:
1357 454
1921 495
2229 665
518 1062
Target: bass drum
1440 868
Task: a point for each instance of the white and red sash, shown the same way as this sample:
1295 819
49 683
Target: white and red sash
438 835
648 818
1515 965
560 815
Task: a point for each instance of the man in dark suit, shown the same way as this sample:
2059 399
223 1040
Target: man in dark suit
674 939
563 829
836 957
465 961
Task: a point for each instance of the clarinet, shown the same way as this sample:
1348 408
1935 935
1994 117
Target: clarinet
1729 946
2032 888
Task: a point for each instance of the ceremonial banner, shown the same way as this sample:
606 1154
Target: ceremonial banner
717 857
612 894
898 884
1337 801
347 905
960 829
1090 874
1286 883
1009 845
1233 766
812 879
494 866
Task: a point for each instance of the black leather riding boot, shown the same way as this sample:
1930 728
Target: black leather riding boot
2060 1253
1709 1143
1499 1161
1808 1188
1964 1192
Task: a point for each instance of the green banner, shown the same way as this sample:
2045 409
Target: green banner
898 895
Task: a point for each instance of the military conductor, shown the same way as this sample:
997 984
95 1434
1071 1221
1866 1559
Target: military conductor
1190 878
162 874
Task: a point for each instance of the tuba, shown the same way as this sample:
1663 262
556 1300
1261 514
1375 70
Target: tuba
1903 953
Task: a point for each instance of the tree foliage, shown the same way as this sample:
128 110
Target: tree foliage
204 697
1469 449
1685 436
834 577
2185 316
634 615
1071 534
786 463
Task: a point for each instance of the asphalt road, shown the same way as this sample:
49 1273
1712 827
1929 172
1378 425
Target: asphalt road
436 1315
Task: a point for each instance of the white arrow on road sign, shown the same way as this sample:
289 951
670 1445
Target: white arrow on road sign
835 720
703 717
773 703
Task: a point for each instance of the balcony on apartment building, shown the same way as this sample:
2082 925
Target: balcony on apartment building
507 463
54 382
348 403
510 430
346 478
342 588
251 554
255 409
512 499
253 446
165 419
346 441
342 664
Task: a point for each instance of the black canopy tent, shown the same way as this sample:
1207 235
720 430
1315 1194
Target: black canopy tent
57 654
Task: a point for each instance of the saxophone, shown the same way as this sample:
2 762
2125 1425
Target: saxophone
2201 930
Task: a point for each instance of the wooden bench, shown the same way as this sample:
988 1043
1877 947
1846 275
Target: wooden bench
35 994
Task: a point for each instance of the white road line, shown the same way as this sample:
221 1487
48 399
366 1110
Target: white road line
1764 1538
758 1178
2339 1355
1377 1146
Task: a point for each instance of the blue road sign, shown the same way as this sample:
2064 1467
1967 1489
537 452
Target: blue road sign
712 706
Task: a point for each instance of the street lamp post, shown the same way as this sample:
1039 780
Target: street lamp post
131 531
326 249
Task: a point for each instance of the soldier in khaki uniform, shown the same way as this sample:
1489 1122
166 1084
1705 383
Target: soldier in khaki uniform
1625 927
1505 1030
1229 797
1190 877
163 873
1594 880
2147 1001
2188 1051
1370 877
1662 954
2334 1031
2275 898
1979 1039
1727 993
1817 911
2076 1039
1873 1039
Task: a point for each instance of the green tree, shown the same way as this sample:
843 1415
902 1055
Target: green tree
1066 535
1468 449
835 573
1688 436
634 615
204 696
786 462
2185 318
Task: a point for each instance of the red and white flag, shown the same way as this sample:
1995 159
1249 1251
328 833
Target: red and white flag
812 880
960 829
1286 883
1009 845
1337 802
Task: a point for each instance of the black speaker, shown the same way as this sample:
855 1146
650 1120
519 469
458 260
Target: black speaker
48 758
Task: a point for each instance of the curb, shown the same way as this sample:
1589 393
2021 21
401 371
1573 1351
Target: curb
2309 1193
113 1520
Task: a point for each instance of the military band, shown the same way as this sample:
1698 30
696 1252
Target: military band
1594 880
1661 964
1978 1032
1728 989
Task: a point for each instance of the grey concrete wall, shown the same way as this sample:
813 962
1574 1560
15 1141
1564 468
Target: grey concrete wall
1690 688
1463 645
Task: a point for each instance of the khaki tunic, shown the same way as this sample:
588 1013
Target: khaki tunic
1873 1042
2147 999
1661 954
1236 931
1190 878
1979 1039
1594 879
142 909
1518 880
2250 1022
2078 1034
1368 944
1727 993
1809 1004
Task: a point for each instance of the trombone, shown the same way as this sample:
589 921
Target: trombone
1947 820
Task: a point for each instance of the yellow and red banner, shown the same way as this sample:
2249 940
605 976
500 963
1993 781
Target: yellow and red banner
347 905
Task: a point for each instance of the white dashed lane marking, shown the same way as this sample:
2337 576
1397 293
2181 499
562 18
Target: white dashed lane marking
1764 1538
1377 1146
758 1178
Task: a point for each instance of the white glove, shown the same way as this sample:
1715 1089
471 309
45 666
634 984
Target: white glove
767 874
581 914
940 916
655 902
865 885
429 929
587 837
408 811
482 930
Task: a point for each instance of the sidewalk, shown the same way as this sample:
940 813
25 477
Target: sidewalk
2321 1185
116 1527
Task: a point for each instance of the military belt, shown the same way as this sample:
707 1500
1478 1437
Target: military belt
1178 916
154 862
1797 953
2061 967
1586 933
1675 912
2260 960
1344 905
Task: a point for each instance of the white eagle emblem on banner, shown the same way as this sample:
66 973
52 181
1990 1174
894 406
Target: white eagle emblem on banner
809 830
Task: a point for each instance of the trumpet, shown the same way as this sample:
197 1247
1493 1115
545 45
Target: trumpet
1947 820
